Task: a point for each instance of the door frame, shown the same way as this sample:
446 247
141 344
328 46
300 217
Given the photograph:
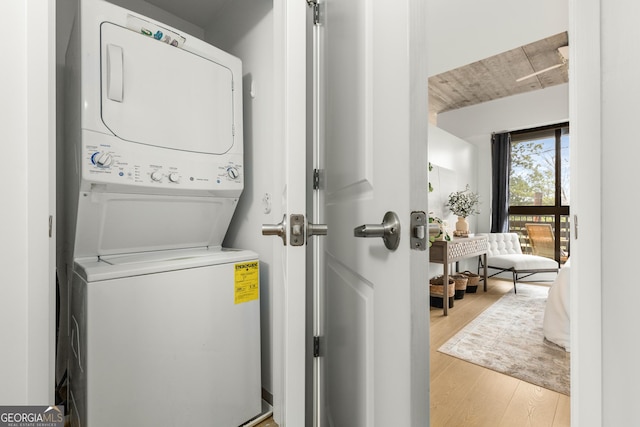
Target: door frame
418 131
289 272
586 257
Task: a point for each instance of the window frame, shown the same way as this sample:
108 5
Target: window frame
557 209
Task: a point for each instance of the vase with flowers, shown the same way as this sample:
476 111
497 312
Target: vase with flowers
462 204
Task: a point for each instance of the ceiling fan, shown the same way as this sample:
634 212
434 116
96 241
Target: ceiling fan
563 52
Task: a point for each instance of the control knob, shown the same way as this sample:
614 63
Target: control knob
102 159
174 177
232 172
156 176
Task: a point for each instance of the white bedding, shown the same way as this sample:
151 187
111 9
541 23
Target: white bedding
556 314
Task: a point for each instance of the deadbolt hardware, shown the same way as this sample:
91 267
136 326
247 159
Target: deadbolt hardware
418 230
276 229
389 230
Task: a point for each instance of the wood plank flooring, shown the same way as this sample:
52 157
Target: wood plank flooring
464 394
268 423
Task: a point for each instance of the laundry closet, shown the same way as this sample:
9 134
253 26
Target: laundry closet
105 226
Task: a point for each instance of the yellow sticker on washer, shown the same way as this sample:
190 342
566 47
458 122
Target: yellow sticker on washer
246 282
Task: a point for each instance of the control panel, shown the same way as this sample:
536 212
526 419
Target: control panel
110 160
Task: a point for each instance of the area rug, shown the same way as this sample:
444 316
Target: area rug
507 337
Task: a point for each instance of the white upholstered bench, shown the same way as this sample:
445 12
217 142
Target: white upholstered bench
505 254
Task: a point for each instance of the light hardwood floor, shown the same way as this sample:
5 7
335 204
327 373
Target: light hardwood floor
464 394
268 423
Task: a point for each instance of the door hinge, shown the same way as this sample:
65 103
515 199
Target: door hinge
316 11
316 179
316 346
50 225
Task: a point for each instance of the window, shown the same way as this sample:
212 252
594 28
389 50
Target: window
539 186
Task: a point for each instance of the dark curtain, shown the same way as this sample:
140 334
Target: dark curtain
500 166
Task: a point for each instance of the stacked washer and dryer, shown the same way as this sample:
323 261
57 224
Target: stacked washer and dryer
163 326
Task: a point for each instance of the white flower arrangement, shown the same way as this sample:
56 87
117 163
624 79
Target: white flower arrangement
464 203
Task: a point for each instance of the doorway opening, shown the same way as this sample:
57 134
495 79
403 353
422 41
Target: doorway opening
466 107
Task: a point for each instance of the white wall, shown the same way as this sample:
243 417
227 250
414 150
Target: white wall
462 32
448 151
475 124
586 245
620 153
245 29
27 119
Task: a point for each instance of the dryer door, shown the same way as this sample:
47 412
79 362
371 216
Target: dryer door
156 94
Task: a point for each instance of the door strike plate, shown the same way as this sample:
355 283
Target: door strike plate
418 227
297 229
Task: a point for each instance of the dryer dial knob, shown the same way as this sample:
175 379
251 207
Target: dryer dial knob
174 177
232 172
102 159
156 176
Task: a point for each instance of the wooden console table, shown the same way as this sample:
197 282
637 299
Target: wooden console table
446 253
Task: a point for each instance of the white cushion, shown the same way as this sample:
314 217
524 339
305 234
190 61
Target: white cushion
504 252
521 262
502 244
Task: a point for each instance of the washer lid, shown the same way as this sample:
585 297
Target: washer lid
121 223
156 94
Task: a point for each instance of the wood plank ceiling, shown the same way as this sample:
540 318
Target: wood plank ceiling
496 77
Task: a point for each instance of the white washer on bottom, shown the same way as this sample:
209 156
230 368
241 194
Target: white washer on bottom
168 338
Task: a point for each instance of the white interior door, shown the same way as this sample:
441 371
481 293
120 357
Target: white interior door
373 317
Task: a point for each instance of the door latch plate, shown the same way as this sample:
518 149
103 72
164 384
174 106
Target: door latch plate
297 229
419 224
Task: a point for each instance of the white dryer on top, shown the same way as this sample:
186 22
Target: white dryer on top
154 142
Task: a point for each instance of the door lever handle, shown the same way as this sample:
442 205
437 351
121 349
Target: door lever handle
389 230
276 229
369 230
